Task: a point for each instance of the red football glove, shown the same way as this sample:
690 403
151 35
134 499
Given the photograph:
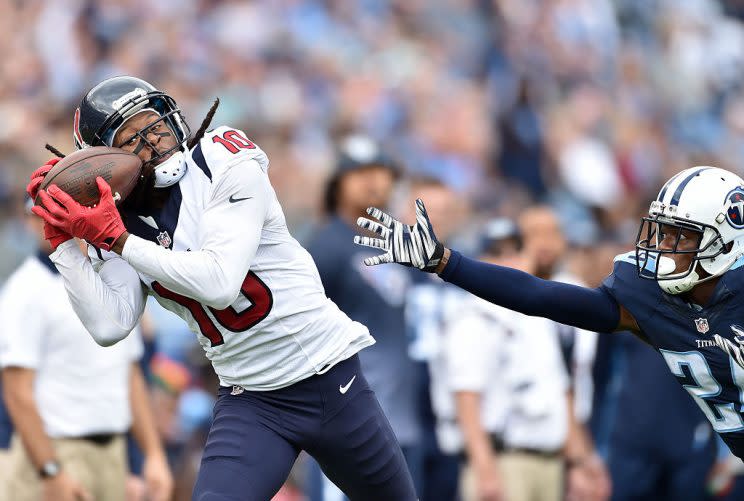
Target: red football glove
38 177
100 225
54 235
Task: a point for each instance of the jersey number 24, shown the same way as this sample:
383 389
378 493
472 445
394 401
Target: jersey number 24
724 417
257 292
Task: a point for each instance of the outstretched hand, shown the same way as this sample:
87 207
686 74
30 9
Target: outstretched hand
415 246
100 225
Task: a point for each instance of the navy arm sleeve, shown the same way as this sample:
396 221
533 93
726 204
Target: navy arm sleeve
591 309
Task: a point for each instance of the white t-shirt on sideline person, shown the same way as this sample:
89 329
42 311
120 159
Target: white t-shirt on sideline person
81 388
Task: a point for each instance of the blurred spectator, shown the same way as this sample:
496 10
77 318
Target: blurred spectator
71 401
428 302
6 432
522 142
365 177
510 387
545 247
183 407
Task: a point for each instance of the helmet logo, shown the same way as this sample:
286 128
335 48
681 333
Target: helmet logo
129 96
76 129
735 208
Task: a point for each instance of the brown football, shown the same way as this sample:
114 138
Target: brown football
76 174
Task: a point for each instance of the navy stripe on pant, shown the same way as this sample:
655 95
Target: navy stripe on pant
256 437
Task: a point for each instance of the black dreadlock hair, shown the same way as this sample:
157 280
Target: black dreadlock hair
205 123
54 150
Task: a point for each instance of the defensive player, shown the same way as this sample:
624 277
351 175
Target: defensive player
204 233
679 290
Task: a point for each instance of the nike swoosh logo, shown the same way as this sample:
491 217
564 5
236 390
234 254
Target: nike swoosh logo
344 389
234 200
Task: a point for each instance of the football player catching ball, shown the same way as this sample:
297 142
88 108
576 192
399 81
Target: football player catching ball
203 232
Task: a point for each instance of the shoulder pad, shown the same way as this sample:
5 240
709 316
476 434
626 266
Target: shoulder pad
638 295
222 147
734 276
627 257
739 263
624 269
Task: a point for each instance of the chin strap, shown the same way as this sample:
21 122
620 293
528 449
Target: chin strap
171 171
680 285
667 266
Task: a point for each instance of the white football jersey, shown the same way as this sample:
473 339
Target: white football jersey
222 219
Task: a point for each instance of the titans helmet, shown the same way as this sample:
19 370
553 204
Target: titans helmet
708 201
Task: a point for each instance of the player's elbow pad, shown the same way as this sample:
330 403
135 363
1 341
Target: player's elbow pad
108 332
220 295
224 285
221 301
109 335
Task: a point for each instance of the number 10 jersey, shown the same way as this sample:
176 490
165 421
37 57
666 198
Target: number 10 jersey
281 328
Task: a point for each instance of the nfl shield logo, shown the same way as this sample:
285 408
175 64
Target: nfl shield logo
164 239
702 325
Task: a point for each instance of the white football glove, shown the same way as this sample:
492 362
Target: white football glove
415 246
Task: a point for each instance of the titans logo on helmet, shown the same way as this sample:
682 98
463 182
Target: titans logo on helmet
735 209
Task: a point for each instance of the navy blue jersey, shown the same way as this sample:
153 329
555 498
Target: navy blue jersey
699 344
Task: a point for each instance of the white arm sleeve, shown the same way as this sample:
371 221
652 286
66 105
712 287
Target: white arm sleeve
229 234
109 301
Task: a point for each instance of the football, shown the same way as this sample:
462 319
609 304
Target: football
76 174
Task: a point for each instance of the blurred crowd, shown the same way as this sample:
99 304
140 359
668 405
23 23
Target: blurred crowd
582 106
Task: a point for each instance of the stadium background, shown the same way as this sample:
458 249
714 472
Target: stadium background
588 105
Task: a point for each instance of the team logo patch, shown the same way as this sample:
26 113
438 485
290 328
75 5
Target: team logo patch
702 325
735 208
76 128
165 240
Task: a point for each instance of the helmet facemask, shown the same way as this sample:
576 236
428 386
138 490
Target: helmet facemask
656 263
167 166
166 172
